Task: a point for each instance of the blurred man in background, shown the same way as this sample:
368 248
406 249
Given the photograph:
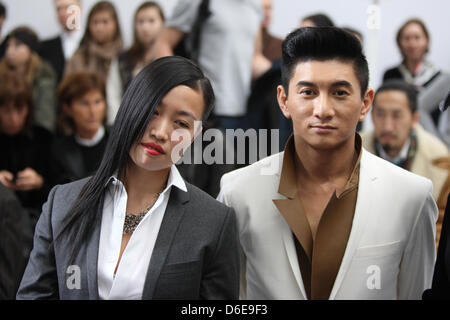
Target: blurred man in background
61 48
398 138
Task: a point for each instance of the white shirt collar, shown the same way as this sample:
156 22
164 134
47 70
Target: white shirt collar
400 157
70 42
91 142
72 35
174 179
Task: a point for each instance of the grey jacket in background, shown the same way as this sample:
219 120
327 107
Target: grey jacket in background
44 97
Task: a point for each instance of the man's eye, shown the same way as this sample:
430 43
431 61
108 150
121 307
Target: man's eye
307 92
341 93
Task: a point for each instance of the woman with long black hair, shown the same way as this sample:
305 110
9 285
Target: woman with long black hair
136 230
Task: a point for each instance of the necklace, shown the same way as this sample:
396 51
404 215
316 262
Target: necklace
132 220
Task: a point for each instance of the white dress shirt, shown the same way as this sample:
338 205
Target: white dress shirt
128 283
70 42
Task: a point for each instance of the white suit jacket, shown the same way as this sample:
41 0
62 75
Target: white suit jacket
390 252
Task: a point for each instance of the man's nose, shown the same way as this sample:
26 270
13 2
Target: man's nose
389 124
323 108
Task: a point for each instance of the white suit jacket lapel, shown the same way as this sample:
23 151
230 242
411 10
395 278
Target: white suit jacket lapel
286 234
364 206
292 259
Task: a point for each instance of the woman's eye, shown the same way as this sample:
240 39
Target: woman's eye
182 124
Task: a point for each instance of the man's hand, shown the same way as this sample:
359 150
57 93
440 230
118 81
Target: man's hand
166 41
6 178
28 180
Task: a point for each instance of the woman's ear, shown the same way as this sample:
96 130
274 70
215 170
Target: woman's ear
282 99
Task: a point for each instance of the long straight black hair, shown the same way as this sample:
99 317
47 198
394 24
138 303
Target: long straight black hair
138 104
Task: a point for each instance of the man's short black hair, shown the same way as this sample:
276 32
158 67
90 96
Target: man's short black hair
326 43
2 10
400 85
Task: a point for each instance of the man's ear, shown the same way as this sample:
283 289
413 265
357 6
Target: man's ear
366 103
282 99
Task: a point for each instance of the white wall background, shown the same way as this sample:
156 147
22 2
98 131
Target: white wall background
380 43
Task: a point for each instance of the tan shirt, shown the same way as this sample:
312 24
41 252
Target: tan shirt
321 258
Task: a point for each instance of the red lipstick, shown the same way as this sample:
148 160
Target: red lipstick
153 149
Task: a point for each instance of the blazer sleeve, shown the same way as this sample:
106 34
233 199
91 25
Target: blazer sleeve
15 243
440 288
221 279
40 279
416 268
222 197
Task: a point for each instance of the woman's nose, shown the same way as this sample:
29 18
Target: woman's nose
159 129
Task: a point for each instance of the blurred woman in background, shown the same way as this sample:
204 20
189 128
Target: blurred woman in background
413 41
25 147
77 154
21 59
148 23
101 42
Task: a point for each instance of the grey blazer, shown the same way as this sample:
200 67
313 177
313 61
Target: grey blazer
195 255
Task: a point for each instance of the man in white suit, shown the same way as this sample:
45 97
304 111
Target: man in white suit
326 219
